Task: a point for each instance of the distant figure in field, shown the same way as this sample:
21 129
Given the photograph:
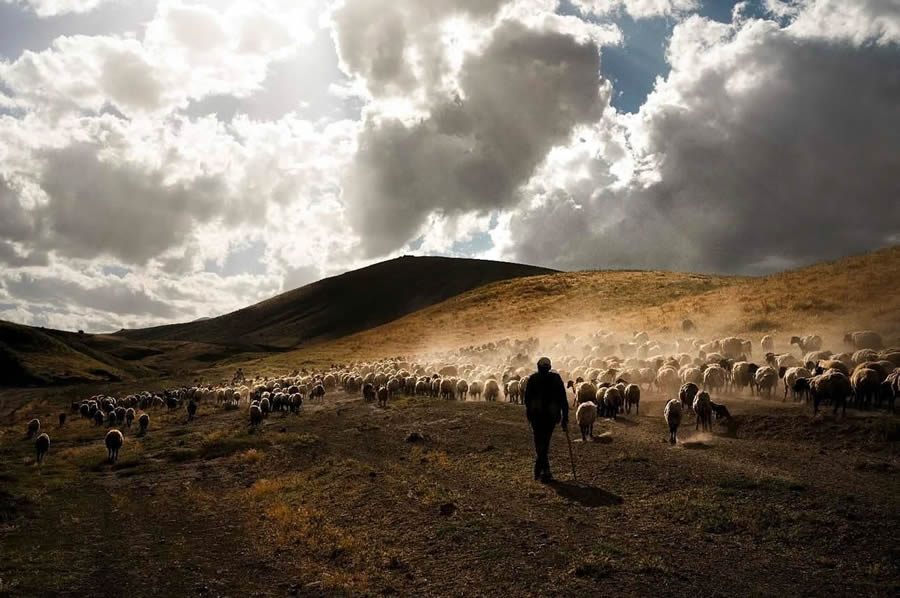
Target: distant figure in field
545 406
238 376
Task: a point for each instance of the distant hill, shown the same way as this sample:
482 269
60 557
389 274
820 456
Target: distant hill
420 305
828 298
342 305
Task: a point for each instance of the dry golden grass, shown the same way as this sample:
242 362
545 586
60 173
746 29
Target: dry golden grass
827 299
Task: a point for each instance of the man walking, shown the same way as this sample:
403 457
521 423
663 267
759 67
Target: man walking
546 405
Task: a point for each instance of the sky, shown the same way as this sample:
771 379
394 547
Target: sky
168 160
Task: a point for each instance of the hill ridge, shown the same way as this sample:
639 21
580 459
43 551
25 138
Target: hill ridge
333 307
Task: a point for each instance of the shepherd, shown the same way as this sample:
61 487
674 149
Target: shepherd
546 405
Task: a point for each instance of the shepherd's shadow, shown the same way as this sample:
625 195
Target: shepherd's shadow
586 495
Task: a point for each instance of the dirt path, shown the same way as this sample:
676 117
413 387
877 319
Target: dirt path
435 498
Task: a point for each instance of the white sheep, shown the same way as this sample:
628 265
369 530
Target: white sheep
512 391
667 380
448 389
585 392
691 373
703 411
790 376
256 415
586 415
811 342
766 379
714 378
672 413
491 390
633 398
864 339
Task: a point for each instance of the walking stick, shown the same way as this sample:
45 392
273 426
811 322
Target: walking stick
571 454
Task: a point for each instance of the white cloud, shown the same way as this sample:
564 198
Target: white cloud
50 8
637 9
468 142
749 154
124 196
857 22
189 51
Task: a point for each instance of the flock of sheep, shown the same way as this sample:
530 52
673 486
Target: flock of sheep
605 376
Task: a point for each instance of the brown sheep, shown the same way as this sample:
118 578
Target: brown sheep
114 442
42 445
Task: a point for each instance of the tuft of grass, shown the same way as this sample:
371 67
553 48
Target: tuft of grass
224 443
594 569
249 456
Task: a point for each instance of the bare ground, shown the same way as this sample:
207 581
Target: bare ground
435 498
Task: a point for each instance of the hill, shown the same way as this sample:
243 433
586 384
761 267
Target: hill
40 356
337 322
342 305
828 299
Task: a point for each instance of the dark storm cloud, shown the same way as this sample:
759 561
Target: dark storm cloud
10 257
784 153
16 223
520 97
374 38
124 210
115 298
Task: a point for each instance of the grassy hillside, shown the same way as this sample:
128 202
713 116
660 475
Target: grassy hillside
39 356
341 305
828 299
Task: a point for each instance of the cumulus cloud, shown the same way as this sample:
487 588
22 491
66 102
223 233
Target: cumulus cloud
637 9
189 51
50 8
858 22
395 47
762 147
121 209
132 180
516 100
115 298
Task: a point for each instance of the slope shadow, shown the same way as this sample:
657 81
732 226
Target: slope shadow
585 495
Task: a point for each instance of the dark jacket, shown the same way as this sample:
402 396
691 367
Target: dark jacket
545 398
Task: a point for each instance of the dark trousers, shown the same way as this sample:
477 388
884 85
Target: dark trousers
543 431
